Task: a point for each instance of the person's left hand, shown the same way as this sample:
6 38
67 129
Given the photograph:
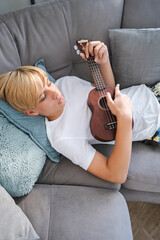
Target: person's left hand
97 49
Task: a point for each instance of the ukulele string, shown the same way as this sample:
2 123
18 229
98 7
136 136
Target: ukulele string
98 85
101 89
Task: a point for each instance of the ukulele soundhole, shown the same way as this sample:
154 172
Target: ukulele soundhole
103 103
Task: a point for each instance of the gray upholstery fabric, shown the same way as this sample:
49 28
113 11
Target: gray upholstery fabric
67 173
135 56
72 212
141 14
90 20
140 196
14 225
37 34
144 173
8 51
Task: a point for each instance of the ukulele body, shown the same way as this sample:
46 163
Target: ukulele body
103 123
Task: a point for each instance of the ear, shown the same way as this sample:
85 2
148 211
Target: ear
30 113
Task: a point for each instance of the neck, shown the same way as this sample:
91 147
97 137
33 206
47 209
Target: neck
52 118
96 73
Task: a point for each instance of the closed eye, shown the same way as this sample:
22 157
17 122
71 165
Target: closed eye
49 83
43 98
43 95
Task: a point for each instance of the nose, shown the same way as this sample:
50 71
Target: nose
53 93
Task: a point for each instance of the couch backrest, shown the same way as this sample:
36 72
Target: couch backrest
141 14
50 30
9 56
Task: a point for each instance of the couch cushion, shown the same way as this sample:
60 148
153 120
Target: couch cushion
71 212
147 14
67 173
49 30
140 196
38 30
14 224
144 168
135 56
90 26
8 51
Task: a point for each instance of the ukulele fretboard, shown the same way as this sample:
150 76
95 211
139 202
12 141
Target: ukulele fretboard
96 73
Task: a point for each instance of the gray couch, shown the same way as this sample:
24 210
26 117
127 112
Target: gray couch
67 202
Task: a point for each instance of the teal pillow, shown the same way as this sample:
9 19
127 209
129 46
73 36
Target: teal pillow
34 126
41 64
21 160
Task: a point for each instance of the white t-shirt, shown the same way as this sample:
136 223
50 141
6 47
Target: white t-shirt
70 133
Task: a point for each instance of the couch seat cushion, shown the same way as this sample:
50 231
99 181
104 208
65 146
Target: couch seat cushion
67 173
72 212
144 168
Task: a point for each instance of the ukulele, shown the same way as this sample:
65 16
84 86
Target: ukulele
103 123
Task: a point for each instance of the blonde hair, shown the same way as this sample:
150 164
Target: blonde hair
20 89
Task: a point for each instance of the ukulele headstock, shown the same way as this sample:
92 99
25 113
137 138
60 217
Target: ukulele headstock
80 46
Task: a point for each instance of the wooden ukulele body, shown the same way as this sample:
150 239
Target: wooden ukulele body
103 123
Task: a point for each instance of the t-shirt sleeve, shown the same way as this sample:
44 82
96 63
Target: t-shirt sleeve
80 152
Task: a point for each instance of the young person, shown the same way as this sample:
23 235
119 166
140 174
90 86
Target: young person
64 104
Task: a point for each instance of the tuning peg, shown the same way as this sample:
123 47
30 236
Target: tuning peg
78 52
75 47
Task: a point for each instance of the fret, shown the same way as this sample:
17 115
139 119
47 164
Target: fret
96 73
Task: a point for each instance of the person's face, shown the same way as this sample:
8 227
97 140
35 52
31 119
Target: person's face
51 101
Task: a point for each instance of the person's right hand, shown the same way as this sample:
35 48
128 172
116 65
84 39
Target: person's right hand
121 106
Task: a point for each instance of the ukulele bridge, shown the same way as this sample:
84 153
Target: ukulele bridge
109 126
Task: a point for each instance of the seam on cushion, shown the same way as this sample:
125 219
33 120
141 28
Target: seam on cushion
62 7
49 173
124 2
2 22
50 237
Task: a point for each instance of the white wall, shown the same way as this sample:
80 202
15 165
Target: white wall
11 5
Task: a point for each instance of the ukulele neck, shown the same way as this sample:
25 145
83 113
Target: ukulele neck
96 74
